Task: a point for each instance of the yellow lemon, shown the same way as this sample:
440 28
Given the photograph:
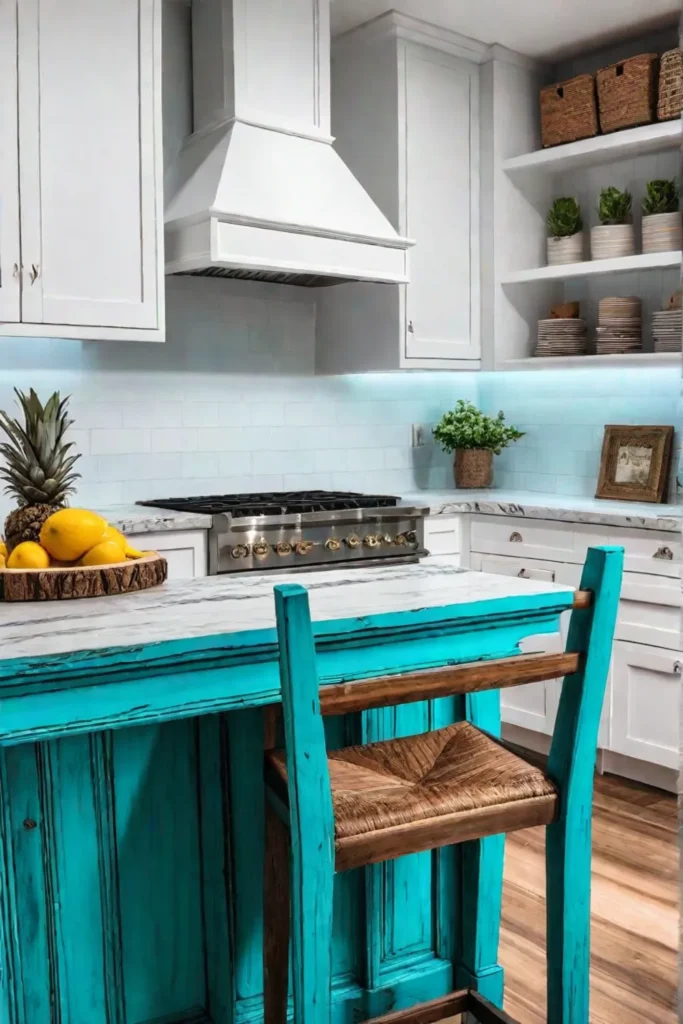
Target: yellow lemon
107 552
28 555
111 533
70 532
133 552
3 561
3 549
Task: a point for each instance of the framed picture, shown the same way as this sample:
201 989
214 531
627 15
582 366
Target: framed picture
635 463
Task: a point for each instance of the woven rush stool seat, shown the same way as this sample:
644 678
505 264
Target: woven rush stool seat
459 774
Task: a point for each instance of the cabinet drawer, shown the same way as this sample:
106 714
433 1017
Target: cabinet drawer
650 611
442 535
645 703
498 535
650 551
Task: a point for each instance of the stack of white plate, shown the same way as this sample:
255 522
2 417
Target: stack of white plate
620 326
561 337
666 330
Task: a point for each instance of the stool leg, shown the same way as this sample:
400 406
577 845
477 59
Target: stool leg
276 912
482 882
568 888
480 902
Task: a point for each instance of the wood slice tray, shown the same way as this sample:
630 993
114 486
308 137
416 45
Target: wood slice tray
83 581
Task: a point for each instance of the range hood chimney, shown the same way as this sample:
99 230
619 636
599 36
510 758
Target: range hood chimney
264 195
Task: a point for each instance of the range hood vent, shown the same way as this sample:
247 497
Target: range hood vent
263 195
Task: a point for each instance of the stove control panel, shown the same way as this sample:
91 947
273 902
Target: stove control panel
249 544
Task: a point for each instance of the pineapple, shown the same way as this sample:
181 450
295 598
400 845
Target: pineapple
38 468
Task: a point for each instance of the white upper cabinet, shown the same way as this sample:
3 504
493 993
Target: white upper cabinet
405 114
10 292
90 170
441 197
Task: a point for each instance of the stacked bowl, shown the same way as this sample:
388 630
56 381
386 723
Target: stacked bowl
667 326
561 336
620 326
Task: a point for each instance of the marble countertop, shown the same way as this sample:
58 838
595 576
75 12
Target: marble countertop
211 606
531 505
136 519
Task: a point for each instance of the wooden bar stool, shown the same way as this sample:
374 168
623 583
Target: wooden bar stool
360 805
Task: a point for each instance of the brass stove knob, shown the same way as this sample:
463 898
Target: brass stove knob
411 536
372 541
239 551
387 539
261 548
303 547
353 540
283 547
332 544
400 539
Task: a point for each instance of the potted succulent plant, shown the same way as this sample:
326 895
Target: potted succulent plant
613 236
565 232
475 438
661 217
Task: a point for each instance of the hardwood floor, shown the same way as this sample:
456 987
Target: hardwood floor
634 969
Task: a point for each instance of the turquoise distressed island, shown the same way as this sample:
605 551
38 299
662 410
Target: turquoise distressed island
131 750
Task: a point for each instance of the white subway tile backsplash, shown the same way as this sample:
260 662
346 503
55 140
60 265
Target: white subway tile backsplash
231 403
120 441
152 414
175 439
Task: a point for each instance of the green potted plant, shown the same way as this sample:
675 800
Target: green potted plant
613 236
475 438
661 217
565 232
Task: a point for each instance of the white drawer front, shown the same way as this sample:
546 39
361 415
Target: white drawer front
650 611
645 703
498 535
442 535
650 551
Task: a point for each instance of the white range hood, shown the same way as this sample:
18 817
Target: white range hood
264 195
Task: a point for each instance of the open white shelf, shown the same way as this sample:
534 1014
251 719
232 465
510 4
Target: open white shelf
621 264
588 362
649 138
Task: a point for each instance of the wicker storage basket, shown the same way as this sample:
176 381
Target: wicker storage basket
473 467
627 92
670 85
568 111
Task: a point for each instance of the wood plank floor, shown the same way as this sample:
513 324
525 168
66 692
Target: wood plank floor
634 963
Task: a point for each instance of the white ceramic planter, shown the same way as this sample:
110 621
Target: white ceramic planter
611 240
565 250
661 232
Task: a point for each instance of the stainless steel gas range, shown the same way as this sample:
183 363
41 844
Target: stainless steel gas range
305 530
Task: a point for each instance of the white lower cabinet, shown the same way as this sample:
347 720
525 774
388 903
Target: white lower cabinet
645 703
184 550
640 718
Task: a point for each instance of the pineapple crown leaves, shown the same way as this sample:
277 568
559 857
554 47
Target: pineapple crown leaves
38 467
661 196
564 217
614 206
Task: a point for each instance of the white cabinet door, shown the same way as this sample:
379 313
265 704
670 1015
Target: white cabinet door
10 253
89 127
184 550
645 703
441 138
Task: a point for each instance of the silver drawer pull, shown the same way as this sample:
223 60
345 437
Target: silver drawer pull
515 538
665 553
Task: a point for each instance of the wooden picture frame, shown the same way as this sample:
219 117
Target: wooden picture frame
635 463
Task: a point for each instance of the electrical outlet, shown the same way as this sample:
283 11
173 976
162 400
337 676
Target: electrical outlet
418 434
